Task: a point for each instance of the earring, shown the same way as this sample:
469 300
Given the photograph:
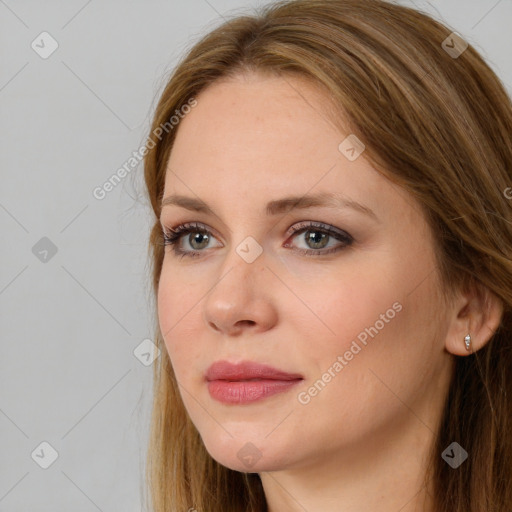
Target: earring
467 341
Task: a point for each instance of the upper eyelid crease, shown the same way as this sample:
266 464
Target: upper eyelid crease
200 227
278 206
173 235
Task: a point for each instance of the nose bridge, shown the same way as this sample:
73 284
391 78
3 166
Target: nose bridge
243 267
241 297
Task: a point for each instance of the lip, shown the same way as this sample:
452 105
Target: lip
247 381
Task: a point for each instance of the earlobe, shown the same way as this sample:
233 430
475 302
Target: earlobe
476 315
467 342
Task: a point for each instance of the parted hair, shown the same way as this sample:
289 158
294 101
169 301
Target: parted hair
437 124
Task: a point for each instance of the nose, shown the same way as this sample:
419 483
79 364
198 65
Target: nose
241 299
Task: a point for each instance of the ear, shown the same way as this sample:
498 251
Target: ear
476 312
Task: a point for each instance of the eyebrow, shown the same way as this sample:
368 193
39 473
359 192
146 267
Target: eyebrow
277 206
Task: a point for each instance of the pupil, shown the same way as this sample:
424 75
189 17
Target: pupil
197 238
316 238
318 241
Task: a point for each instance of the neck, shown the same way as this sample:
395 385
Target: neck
386 473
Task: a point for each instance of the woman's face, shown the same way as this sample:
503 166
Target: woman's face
356 321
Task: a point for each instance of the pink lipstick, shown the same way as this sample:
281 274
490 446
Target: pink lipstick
247 381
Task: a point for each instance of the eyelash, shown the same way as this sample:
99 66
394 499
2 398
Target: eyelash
172 236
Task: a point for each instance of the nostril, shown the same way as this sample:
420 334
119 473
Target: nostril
245 322
213 326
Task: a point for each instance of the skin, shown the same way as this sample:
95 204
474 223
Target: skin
361 442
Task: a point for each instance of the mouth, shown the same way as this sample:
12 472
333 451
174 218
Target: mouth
247 382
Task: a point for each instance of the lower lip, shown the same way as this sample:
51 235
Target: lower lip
243 392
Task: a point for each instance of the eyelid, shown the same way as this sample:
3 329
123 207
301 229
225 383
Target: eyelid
173 236
322 226
186 227
182 226
297 226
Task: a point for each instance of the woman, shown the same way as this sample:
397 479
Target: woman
332 267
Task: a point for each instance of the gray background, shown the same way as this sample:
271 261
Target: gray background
70 321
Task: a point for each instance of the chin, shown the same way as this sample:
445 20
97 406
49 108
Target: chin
247 465
247 455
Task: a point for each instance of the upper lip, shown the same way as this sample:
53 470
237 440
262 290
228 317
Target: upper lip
246 370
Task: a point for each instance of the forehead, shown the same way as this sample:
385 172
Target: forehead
259 108
258 138
257 125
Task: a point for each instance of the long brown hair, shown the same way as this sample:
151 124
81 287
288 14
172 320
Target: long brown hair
438 124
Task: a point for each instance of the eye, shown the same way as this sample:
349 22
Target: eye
317 239
198 238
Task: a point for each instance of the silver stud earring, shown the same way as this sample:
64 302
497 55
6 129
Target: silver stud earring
467 341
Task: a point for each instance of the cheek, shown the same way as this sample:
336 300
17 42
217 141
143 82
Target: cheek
167 305
177 305
384 345
178 297
375 318
344 308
